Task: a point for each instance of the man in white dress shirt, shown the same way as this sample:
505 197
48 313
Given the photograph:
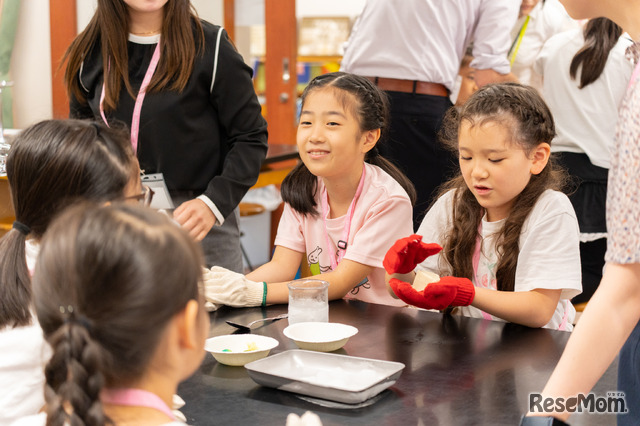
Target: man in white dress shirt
412 49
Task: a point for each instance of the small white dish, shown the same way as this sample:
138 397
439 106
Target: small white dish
239 349
320 336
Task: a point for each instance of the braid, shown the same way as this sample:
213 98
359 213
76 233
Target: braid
378 102
56 375
74 380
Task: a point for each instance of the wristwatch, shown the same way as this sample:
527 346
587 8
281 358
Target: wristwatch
541 421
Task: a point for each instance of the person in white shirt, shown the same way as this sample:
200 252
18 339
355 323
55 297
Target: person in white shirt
585 76
538 21
412 49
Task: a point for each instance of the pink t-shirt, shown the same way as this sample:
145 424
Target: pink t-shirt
382 215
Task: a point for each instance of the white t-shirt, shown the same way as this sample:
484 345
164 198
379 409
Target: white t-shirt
549 252
546 19
585 118
382 215
23 356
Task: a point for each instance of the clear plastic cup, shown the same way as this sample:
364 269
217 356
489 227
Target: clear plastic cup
308 301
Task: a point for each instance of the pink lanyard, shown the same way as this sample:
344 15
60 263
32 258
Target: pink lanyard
342 243
135 119
476 262
135 398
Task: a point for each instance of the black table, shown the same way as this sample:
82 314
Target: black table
459 371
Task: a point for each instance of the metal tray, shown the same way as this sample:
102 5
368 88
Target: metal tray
334 377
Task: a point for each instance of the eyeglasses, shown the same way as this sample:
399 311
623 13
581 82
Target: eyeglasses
145 197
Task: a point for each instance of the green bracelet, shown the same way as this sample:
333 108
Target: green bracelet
264 294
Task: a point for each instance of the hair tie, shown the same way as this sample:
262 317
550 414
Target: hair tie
96 126
22 228
74 318
371 154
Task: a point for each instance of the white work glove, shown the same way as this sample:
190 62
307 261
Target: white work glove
210 307
178 403
225 287
307 419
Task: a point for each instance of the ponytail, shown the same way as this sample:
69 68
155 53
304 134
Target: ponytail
600 36
15 282
299 189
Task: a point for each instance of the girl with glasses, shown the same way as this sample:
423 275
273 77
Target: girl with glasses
51 165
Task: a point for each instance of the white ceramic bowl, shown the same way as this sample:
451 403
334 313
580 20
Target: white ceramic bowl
320 336
239 349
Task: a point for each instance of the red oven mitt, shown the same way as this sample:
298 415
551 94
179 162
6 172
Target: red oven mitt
449 291
406 253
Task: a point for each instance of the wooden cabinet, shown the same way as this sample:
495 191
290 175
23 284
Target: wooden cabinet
7 215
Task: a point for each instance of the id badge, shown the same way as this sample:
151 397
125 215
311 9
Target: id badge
161 198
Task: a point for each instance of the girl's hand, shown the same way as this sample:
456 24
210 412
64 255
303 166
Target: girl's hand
195 217
449 291
225 287
407 253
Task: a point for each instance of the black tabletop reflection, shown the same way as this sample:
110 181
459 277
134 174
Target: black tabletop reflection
459 371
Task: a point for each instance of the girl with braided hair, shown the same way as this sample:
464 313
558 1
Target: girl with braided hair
345 204
117 293
509 238
51 165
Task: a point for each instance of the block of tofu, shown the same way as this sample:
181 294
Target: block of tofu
423 278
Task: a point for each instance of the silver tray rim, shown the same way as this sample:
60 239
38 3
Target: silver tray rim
332 393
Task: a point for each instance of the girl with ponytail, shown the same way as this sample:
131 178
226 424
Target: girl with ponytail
345 204
586 75
50 165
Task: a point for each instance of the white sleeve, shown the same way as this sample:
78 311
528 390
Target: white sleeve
550 248
492 36
213 208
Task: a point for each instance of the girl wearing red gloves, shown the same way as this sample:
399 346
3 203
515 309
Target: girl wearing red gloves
503 225
344 203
